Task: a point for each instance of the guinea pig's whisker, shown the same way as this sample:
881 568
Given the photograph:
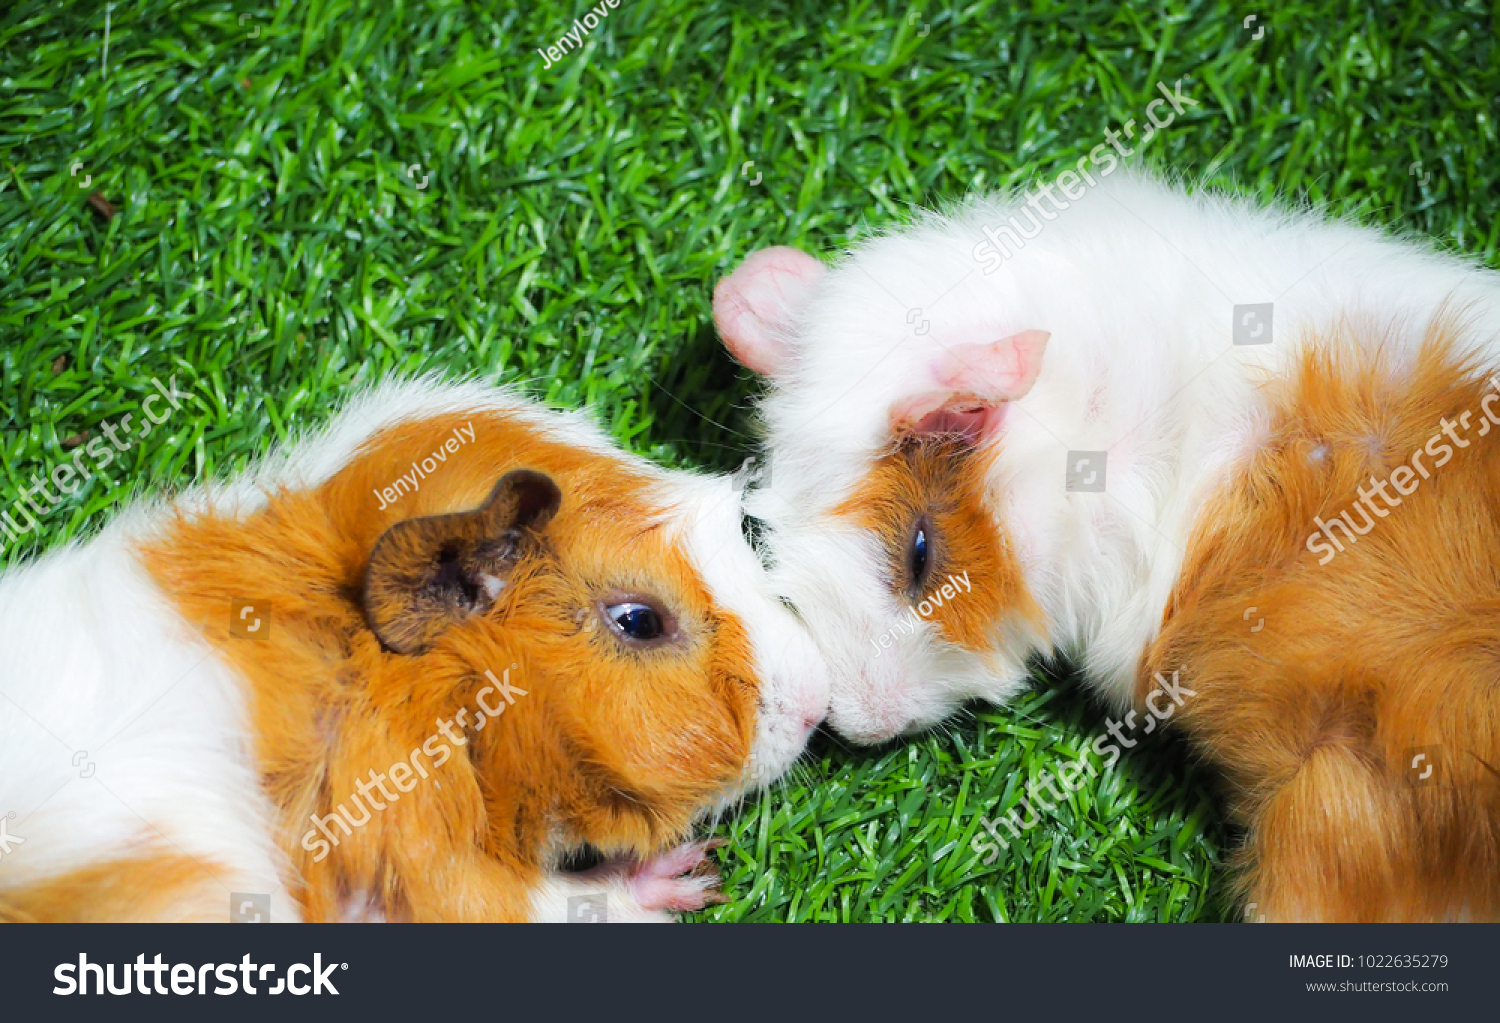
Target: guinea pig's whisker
694 411
836 739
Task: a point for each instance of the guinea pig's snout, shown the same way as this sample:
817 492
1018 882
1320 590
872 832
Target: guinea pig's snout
804 705
795 688
869 712
813 715
799 694
869 730
816 694
793 704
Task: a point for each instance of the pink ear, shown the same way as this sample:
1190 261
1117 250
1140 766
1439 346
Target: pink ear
755 305
969 386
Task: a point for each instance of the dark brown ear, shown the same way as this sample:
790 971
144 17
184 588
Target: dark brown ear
428 573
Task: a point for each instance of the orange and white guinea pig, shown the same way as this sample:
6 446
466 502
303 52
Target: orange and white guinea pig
410 669
1232 459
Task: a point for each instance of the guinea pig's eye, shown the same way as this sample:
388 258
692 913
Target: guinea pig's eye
635 619
919 553
638 621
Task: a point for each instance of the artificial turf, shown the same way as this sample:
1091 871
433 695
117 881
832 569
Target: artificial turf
311 195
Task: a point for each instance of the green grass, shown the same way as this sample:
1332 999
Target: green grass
271 252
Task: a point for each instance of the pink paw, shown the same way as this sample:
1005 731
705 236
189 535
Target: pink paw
679 880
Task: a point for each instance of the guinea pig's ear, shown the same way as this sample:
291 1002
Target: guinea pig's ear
969 385
754 307
427 573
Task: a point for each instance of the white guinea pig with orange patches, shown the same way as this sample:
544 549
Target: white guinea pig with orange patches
408 670
1051 424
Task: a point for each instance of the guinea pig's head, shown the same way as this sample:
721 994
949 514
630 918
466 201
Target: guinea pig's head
883 495
626 666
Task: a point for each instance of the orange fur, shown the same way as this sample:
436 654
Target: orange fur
944 478
612 747
1390 645
160 888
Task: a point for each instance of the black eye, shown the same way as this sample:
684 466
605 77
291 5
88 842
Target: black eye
917 559
635 620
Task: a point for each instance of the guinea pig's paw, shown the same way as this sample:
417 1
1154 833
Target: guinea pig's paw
602 896
680 880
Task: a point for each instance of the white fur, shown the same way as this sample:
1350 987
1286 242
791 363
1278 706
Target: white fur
610 897
95 664
794 688
1136 282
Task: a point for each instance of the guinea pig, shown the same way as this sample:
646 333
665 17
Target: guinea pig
1005 431
413 668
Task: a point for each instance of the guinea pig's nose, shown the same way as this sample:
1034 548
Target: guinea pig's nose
814 709
875 722
873 736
